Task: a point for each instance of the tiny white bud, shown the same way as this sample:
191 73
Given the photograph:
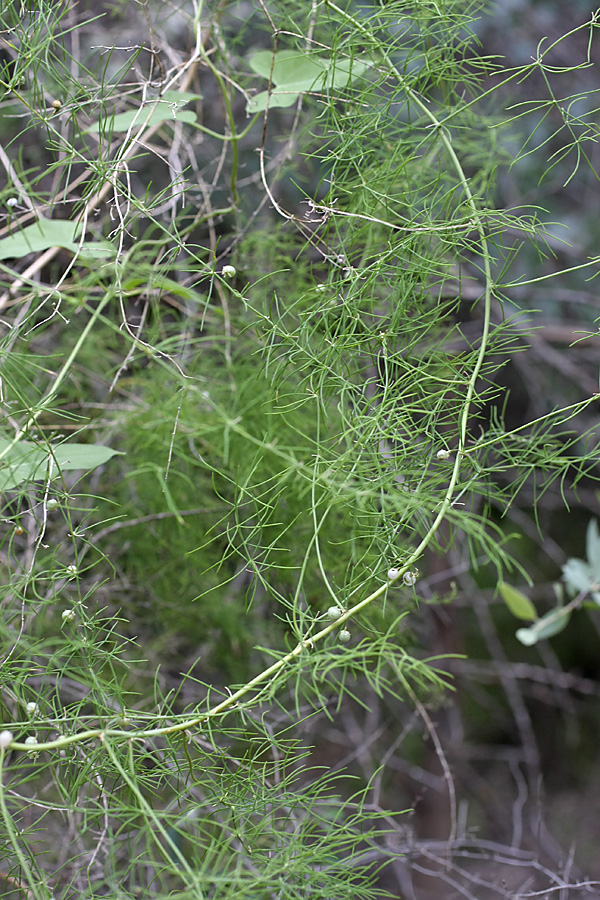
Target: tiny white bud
334 612
321 288
344 636
6 739
32 709
228 272
12 202
393 574
31 741
68 615
443 454
409 578
51 504
72 570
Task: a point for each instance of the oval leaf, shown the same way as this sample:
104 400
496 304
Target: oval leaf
519 605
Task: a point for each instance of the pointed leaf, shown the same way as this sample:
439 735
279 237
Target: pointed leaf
47 233
70 456
519 605
169 108
26 461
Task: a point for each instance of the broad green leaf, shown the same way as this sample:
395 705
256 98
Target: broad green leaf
289 66
47 233
552 623
293 73
274 99
343 72
82 456
519 605
169 108
26 462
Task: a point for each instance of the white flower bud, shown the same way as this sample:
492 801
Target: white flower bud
32 709
12 202
443 454
393 574
6 739
228 272
72 570
31 741
334 612
344 636
409 578
68 615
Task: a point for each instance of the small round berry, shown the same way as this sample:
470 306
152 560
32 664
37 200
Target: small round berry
409 578
334 612
228 272
393 574
31 742
6 739
68 615
443 454
52 504
19 530
32 709
56 104
344 636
